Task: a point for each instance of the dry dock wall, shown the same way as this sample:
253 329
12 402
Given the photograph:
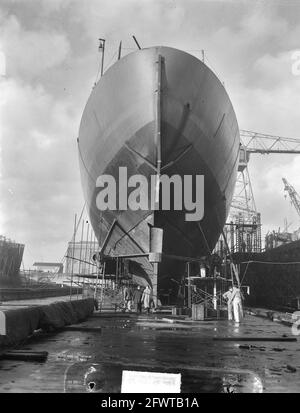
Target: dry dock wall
273 279
18 324
7 294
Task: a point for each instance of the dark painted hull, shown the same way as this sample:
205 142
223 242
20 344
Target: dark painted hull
274 286
199 136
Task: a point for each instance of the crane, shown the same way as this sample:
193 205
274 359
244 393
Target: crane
295 198
243 211
274 238
254 142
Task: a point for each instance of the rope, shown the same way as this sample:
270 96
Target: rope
98 71
207 246
104 69
80 218
85 167
271 262
265 262
110 60
65 254
244 273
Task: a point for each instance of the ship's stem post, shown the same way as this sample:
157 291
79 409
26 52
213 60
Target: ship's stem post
157 143
158 130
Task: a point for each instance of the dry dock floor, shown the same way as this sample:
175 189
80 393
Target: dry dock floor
82 360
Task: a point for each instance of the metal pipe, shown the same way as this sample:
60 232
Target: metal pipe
189 286
120 50
90 247
85 253
73 254
102 46
108 236
80 256
136 42
102 286
96 286
215 291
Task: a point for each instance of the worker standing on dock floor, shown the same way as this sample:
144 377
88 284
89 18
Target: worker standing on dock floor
127 298
228 296
137 299
236 299
146 298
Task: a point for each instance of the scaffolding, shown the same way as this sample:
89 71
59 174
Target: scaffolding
208 292
241 236
205 288
11 255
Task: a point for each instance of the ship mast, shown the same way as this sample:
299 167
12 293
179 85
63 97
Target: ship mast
102 49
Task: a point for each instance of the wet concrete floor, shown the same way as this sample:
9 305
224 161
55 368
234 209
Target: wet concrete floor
82 361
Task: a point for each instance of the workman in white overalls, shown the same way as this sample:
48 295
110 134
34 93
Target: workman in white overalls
227 296
236 299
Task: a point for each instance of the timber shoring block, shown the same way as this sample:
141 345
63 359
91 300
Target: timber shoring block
237 339
82 329
24 355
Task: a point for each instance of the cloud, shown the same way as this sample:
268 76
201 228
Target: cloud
259 25
39 168
30 53
271 200
274 71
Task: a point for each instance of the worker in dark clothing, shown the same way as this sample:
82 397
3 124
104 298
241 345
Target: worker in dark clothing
127 298
137 299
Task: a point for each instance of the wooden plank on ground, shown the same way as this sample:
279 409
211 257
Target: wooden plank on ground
237 339
24 355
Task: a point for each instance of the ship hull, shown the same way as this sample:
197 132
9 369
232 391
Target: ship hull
272 277
185 102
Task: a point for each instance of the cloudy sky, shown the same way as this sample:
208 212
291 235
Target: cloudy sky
51 65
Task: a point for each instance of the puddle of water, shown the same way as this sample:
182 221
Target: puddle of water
107 377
